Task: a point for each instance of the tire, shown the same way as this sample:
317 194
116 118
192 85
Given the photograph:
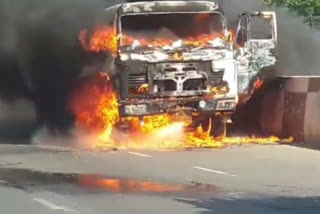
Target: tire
205 124
218 127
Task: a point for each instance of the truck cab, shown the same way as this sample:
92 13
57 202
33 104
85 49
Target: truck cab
180 56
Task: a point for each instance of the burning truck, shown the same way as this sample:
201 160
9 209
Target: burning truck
181 58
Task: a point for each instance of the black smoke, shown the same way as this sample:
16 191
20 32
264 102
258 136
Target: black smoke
299 47
40 55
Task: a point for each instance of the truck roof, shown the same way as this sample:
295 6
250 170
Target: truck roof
148 7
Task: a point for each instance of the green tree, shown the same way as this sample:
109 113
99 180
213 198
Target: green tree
303 7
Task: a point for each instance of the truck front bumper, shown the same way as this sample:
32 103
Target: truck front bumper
145 107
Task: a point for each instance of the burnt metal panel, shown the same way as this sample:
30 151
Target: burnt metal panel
294 115
169 7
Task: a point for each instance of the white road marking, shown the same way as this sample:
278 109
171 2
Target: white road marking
140 154
53 206
3 181
188 199
10 164
236 194
213 171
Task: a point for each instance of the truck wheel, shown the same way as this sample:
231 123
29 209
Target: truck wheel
218 127
205 124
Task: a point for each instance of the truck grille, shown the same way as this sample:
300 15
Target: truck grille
137 79
195 85
169 85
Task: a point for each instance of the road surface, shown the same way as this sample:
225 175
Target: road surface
248 179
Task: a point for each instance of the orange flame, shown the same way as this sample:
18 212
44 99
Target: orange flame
96 108
219 90
102 39
143 88
258 83
105 39
232 35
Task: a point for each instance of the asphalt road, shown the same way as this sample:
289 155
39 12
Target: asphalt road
248 179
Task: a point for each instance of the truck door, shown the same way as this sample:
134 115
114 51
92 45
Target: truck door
255 47
242 54
262 40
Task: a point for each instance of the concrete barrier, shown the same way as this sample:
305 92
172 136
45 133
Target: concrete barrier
271 112
293 109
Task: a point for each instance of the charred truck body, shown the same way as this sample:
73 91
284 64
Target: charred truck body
179 56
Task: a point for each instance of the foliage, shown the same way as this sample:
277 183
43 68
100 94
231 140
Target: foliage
303 7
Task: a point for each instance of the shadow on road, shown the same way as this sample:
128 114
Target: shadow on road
276 205
310 145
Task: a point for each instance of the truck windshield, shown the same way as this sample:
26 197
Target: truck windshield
158 30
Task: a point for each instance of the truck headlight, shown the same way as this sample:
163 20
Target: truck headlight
202 104
124 57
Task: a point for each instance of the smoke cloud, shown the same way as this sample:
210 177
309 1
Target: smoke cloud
299 47
41 58
40 55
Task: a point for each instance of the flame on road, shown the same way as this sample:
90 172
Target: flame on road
96 108
126 185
